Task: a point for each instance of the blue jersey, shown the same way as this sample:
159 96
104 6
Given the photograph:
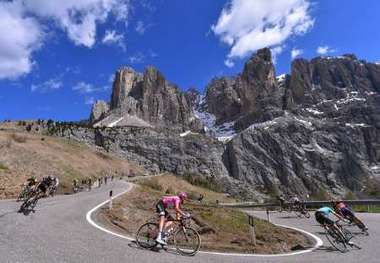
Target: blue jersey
326 210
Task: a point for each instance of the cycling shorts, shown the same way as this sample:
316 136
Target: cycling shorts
323 219
160 208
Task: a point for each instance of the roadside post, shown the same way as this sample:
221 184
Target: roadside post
252 227
110 203
268 215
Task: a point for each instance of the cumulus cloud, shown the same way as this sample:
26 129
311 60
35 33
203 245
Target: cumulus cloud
323 50
84 87
296 52
20 36
23 26
79 17
89 100
111 37
250 25
47 86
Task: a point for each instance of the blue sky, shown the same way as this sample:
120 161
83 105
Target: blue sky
56 57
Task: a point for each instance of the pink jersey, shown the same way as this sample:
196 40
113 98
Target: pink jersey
171 201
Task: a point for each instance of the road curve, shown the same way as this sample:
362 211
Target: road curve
59 232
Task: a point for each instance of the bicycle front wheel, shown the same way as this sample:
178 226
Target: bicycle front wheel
336 239
187 241
146 235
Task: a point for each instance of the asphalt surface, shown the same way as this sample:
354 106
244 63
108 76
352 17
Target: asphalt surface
59 232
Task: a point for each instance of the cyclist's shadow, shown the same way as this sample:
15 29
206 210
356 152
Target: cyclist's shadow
157 249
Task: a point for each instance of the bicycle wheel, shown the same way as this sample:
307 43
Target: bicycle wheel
336 239
146 235
187 241
306 213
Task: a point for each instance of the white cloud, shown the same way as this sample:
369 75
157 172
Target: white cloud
296 52
141 27
229 63
275 52
84 87
24 24
323 50
49 85
79 17
111 37
20 36
247 26
89 100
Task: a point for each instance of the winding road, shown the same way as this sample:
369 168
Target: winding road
60 232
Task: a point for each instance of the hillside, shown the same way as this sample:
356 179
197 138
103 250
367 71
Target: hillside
24 155
221 229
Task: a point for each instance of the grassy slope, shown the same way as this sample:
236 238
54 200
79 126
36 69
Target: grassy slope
24 155
232 230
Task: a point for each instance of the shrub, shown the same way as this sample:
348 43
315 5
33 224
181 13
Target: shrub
18 138
152 183
3 167
205 182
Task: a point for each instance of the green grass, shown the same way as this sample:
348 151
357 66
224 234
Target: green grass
3 167
204 182
364 208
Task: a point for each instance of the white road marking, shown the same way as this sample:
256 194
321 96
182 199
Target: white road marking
319 241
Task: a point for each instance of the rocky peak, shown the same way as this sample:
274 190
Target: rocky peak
192 96
244 97
327 78
148 99
98 111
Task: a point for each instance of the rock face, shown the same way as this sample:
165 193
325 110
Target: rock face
99 110
314 131
326 78
150 98
246 97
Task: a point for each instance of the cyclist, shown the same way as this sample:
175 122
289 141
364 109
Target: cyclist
342 209
45 184
54 186
30 183
164 203
322 217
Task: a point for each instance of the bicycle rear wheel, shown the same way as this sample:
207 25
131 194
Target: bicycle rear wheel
146 235
187 241
336 239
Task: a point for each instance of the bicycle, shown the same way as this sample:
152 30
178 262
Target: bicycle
299 209
302 211
339 238
24 193
30 203
185 239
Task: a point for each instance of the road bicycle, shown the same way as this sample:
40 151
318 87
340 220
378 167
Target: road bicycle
181 236
299 209
31 201
24 193
339 237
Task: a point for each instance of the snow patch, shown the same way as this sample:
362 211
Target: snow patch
185 133
353 125
112 124
266 125
313 111
223 132
281 77
306 123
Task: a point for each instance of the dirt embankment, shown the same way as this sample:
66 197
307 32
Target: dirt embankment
26 154
221 229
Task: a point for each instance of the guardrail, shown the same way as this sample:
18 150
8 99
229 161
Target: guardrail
306 203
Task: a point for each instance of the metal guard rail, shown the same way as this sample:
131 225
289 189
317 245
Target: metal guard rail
306 203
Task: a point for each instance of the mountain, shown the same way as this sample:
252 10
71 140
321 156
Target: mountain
315 131
145 100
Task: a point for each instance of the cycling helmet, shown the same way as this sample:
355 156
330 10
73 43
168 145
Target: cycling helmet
182 195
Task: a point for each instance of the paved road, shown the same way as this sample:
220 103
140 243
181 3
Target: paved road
59 232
